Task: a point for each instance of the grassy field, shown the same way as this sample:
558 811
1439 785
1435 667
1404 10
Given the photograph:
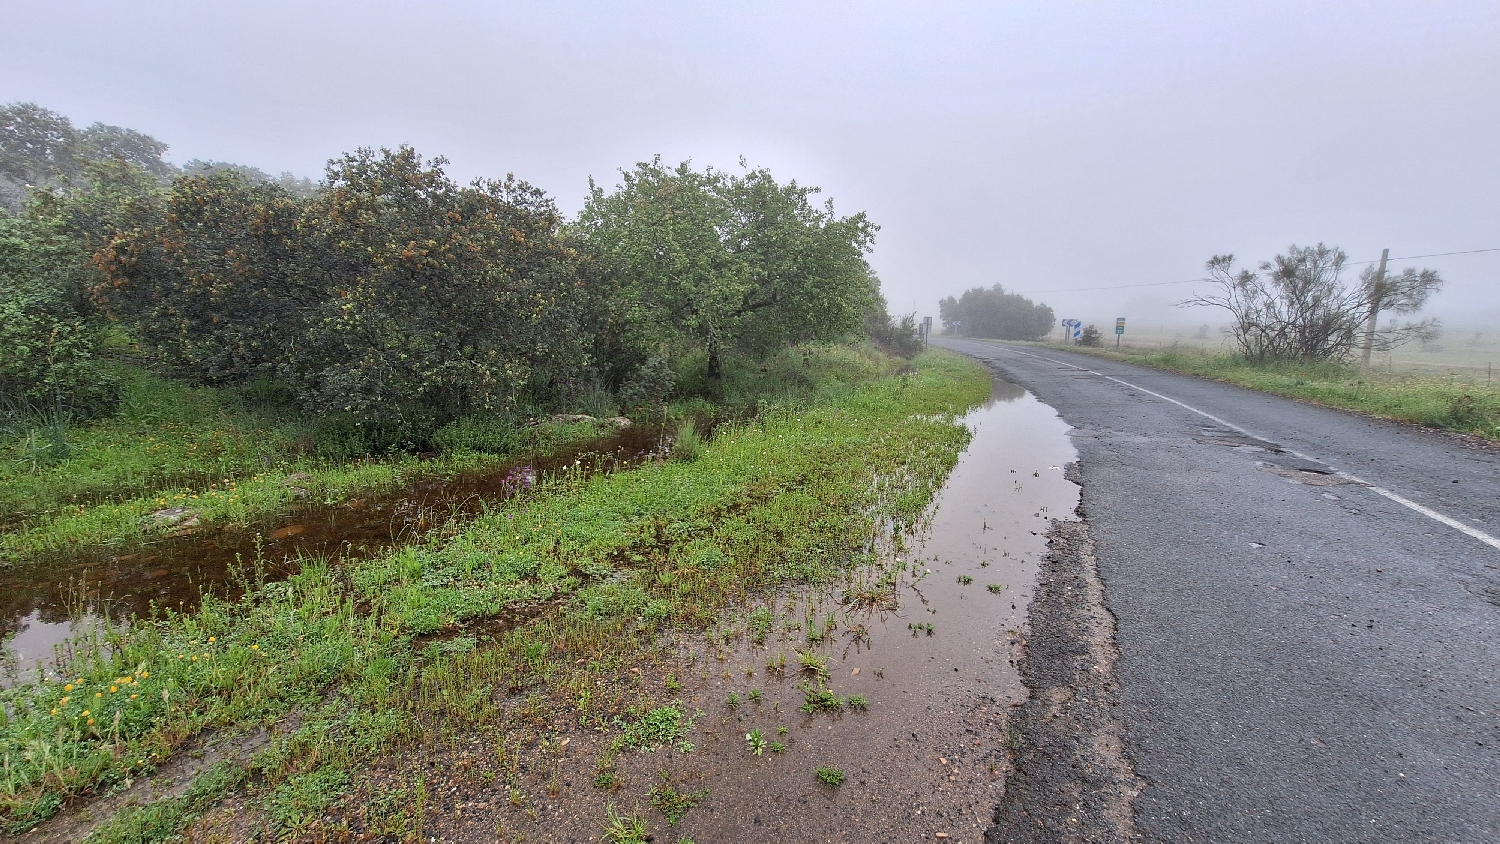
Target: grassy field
584 575
1449 401
1468 355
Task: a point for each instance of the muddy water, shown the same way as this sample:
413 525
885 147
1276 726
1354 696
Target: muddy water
47 603
927 756
929 753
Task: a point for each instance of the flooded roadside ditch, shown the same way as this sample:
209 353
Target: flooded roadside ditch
900 680
927 754
47 602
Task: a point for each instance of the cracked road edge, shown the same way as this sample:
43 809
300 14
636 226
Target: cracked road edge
1070 779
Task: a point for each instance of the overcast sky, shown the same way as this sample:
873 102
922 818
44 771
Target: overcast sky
1042 145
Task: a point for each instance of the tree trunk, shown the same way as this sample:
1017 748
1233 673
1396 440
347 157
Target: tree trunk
715 372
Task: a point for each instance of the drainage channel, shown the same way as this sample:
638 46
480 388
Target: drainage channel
49 603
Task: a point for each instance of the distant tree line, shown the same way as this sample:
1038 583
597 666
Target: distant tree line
395 299
994 313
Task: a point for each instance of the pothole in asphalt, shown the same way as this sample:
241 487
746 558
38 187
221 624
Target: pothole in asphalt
1305 472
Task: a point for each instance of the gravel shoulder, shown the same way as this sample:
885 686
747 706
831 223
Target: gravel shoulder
1070 780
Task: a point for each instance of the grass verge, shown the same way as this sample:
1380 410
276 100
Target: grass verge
1443 403
534 599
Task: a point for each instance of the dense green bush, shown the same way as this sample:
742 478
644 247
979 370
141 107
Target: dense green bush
49 361
491 434
392 297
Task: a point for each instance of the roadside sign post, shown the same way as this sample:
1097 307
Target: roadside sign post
1119 330
1072 328
926 330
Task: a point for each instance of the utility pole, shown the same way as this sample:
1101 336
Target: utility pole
1376 295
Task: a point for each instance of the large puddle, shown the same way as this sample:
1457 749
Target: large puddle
929 753
48 603
934 659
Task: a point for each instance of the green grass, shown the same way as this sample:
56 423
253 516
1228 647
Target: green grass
1435 402
591 570
174 446
673 803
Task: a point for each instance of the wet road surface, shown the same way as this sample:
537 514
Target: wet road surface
1304 655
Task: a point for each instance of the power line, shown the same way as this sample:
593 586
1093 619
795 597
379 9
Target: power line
1122 286
1192 280
1433 255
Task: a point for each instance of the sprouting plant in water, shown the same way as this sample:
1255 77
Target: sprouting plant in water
818 699
858 702
996 588
831 776
965 579
813 662
673 803
756 741
760 624
776 664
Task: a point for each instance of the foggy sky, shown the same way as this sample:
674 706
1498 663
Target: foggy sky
1042 145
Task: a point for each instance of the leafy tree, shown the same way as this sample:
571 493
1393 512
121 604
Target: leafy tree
994 313
299 186
726 263
218 286
37 146
1403 293
1299 308
48 344
101 142
393 297
40 148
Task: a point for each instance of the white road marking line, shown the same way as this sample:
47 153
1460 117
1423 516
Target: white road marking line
1404 502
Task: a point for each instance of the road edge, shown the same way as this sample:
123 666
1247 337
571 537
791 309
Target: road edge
1070 778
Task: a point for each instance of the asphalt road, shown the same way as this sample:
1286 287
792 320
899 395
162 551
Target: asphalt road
1302 658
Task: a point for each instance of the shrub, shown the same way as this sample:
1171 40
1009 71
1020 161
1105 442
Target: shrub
48 348
487 433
